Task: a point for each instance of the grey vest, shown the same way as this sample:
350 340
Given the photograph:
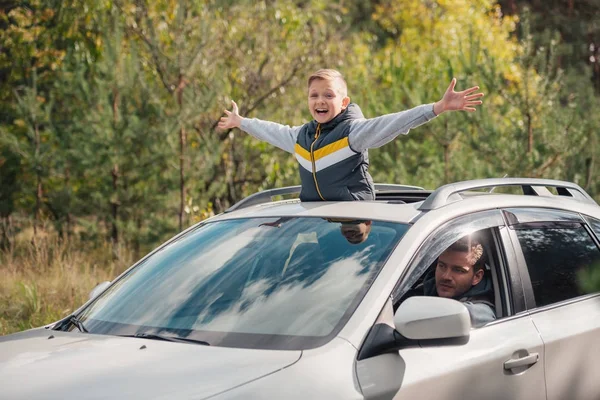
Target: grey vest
329 169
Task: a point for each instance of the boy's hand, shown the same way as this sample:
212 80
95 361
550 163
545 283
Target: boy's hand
232 120
458 101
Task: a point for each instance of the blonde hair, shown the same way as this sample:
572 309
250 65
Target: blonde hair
330 75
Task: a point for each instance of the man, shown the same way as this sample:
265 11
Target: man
460 275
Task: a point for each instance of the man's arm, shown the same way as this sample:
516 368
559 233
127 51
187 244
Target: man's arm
375 132
278 135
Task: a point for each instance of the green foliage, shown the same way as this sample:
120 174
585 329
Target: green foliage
589 279
111 107
109 112
10 162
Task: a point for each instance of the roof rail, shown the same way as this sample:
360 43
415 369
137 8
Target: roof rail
380 187
530 186
266 195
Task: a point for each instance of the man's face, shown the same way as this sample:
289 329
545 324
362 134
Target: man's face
454 274
356 233
325 100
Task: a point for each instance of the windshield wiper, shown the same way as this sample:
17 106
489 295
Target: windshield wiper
75 321
167 338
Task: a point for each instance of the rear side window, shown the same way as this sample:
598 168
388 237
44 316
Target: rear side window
557 256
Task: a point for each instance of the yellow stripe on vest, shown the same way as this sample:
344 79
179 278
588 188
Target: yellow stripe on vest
325 151
302 152
331 148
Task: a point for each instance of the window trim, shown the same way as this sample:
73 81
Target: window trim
527 287
530 303
549 216
563 303
588 223
512 281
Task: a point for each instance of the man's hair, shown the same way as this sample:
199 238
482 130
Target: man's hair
330 75
472 246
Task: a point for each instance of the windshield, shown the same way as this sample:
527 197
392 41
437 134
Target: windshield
287 283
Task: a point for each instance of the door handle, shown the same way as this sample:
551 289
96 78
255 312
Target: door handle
522 362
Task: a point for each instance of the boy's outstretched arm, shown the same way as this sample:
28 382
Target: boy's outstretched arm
278 135
375 132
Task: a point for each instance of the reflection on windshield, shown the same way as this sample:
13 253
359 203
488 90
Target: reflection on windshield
296 277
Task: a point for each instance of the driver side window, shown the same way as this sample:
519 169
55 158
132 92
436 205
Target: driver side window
462 260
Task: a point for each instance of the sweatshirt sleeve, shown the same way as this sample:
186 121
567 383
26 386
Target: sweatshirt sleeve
282 136
375 132
480 313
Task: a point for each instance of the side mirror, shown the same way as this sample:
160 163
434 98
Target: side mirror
98 289
423 317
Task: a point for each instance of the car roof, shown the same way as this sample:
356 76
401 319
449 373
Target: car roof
369 210
401 203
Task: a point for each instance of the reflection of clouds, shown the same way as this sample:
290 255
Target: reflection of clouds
293 309
230 277
173 288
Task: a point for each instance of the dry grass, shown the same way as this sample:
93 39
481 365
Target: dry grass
43 282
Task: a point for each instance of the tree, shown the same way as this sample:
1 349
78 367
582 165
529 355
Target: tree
118 136
10 166
253 52
415 65
575 25
34 38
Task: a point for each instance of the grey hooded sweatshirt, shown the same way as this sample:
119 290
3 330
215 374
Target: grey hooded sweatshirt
477 299
333 156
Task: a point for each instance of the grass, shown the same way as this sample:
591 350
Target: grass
44 281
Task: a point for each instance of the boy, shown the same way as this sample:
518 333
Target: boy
332 149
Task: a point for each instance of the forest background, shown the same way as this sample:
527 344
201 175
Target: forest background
108 112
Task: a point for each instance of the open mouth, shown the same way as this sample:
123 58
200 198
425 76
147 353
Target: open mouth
321 111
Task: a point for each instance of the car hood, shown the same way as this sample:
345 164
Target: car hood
85 366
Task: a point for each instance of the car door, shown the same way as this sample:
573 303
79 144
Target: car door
502 360
556 249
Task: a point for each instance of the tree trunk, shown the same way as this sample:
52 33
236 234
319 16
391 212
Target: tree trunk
5 235
529 133
68 185
589 168
446 162
182 143
38 190
136 240
231 167
594 55
114 235
445 142
571 7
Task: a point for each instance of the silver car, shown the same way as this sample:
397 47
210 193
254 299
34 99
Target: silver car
291 300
